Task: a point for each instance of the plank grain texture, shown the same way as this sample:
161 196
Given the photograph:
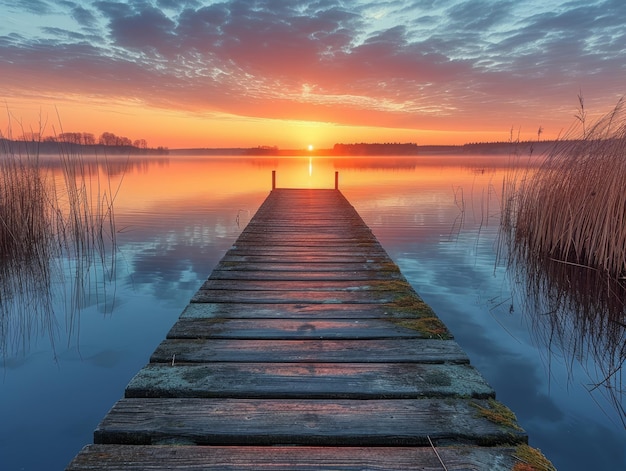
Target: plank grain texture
281 458
290 329
268 422
309 350
314 380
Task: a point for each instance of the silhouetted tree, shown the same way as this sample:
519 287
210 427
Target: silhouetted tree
70 137
107 139
124 141
88 139
141 144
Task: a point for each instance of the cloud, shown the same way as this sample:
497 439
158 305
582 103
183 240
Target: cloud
393 62
144 30
83 16
37 7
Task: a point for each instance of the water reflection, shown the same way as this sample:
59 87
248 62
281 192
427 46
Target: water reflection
58 241
56 229
176 216
578 313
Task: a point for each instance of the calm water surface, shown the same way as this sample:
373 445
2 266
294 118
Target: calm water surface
437 217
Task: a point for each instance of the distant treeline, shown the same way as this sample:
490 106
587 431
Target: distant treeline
55 146
78 142
506 147
493 148
109 143
408 149
359 149
475 148
375 149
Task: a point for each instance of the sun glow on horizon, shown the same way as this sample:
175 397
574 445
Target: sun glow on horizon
176 129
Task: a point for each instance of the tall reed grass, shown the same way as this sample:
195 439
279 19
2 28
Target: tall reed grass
563 234
574 209
26 251
56 229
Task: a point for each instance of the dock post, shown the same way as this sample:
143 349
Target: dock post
336 180
273 179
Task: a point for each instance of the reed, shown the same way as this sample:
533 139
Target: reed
56 228
26 251
86 223
563 234
574 209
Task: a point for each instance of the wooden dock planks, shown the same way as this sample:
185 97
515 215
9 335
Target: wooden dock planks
306 348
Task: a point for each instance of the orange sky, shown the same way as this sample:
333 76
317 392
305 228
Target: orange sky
232 74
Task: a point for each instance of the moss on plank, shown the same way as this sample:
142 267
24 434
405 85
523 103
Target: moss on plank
498 413
411 304
408 310
389 267
531 459
431 327
399 285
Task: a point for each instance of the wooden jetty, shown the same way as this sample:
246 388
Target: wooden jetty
306 349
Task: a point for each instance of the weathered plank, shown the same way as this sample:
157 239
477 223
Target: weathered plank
299 225
308 381
293 296
401 422
256 242
300 273
304 238
300 200
286 265
288 351
328 236
291 311
307 285
281 458
287 245
301 254
304 258
289 329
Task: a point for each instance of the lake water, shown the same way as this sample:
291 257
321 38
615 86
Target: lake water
176 216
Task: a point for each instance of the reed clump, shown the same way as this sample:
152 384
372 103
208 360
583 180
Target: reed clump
563 233
573 210
24 211
57 227
26 251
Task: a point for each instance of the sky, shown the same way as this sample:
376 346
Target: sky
289 73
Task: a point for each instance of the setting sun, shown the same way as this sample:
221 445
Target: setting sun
310 147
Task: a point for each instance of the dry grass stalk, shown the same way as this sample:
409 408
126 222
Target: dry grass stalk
574 209
26 250
43 221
